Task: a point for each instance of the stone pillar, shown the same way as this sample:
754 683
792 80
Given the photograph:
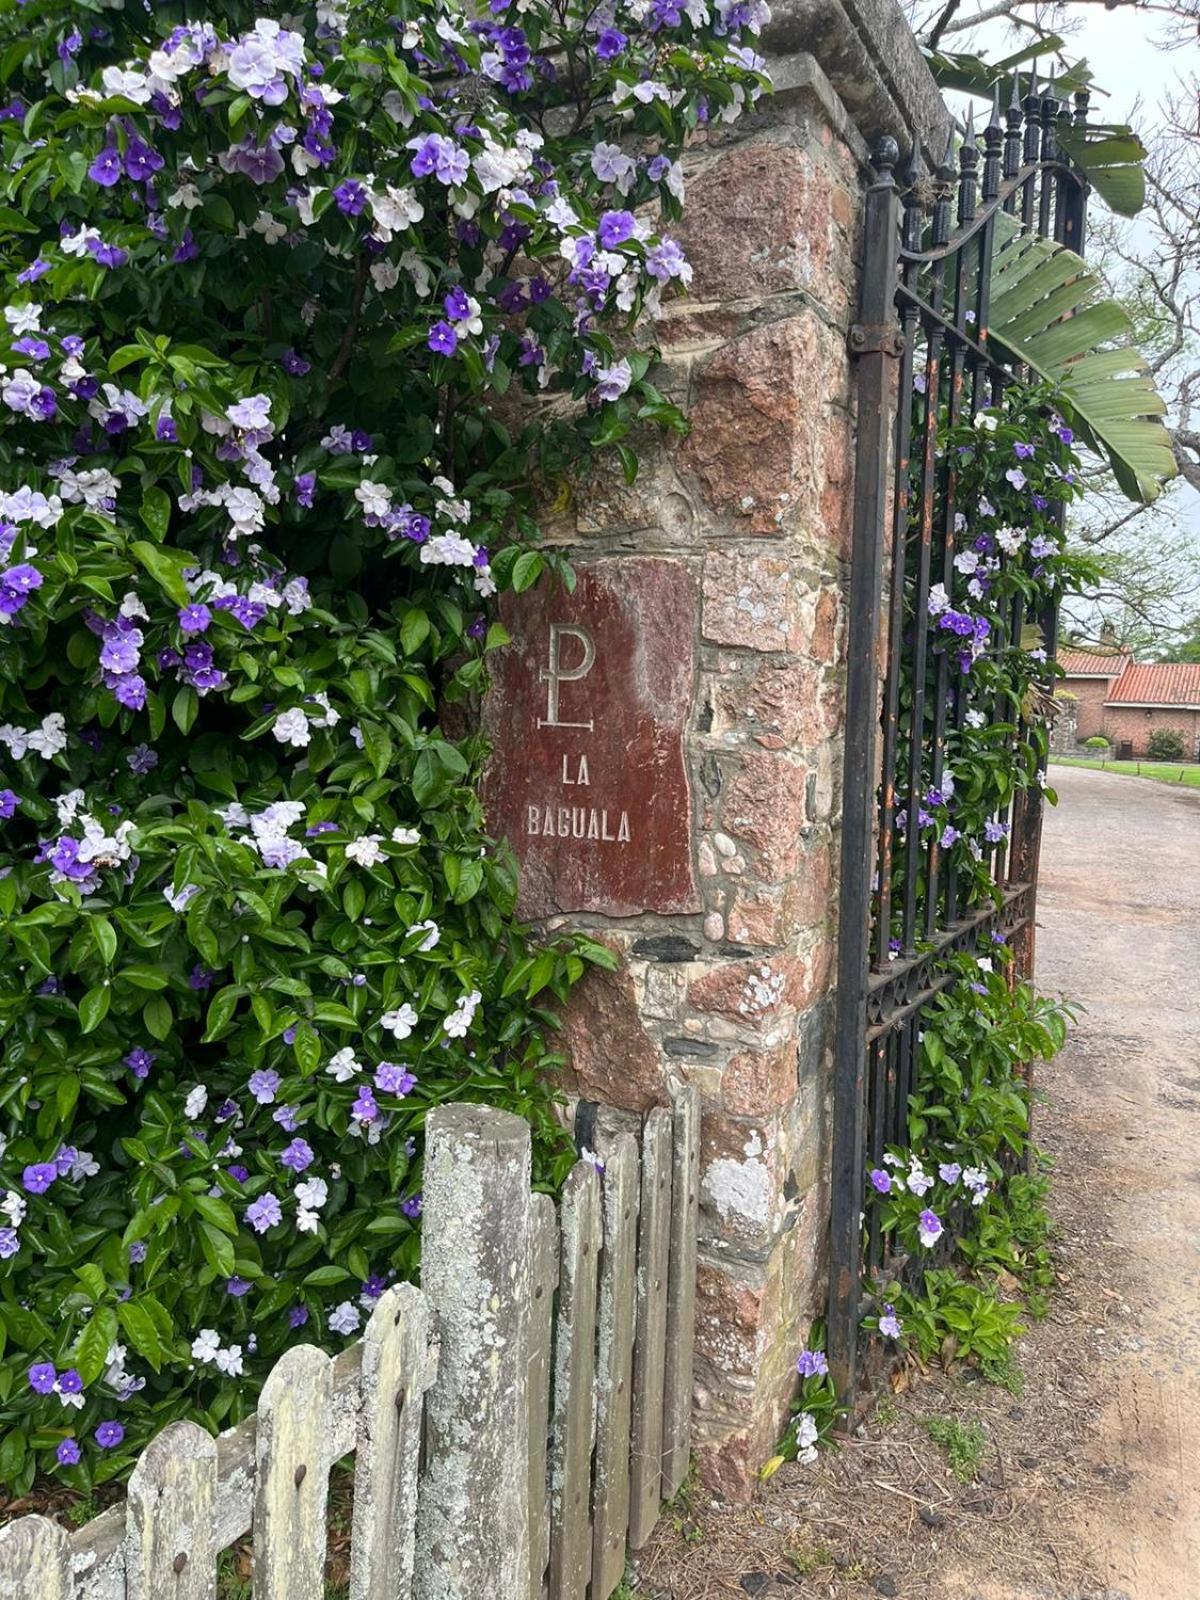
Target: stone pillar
668 738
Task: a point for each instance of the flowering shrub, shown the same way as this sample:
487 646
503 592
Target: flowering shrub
266 284
815 1407
1015 469
956 1193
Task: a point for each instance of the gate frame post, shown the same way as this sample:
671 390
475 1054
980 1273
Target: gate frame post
875 343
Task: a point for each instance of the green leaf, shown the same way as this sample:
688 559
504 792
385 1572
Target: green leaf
156 1014
93 1344
1050 312
143 1335
164 566
185 708
93 1008
106 939
156 513
321 1276
527 569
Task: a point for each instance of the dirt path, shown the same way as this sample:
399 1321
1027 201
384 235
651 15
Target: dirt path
1090 1485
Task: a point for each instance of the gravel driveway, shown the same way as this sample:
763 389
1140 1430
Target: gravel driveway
1090 1484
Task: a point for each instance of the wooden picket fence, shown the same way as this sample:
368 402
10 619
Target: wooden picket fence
515 1423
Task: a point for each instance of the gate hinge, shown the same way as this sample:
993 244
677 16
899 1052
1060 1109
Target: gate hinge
876 338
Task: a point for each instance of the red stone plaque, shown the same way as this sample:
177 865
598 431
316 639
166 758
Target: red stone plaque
588 714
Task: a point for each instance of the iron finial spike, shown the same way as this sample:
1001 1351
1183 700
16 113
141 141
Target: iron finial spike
969 128
948 159
994 121
1015 103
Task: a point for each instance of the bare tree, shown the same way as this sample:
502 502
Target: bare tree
950 19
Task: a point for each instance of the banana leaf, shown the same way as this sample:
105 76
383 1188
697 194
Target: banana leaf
1109 154
1052 313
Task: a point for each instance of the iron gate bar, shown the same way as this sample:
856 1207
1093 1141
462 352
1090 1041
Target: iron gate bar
871 485
939 287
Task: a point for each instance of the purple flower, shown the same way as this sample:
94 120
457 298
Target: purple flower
264 1085
393 1079
37 1178
141 760
889 1323
138 1251
261 164
294 364
881 1180
351 197
69 1382
8 803
993 832
286 1117
68 1453
610 43
305 484
194 619
263 1213
615 228
106 168
443 340
108 255
950 836
297 1316
298 1155
812 1364
364 1108
412 1206
200 978
35 270
237 1287
109 1435
141 161
10 1243
42 1377
929 1228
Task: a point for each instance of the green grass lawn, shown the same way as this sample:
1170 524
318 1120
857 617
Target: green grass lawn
1188 774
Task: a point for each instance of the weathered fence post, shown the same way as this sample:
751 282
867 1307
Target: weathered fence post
574 1387
169 1548
544 1282
35 1560
473 1516
649 1354
395 1370
614 1374
681 1290
295 1418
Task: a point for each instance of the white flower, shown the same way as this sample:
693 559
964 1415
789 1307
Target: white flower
806 1438
406 836
986 422
270 227
385 275
195 1102
307 1221
1010 540
432 934
918 1180
252 412
312 1193
374 498
230 1361
939 600
187 195
14 1207
129 85
75 1400
84 1166
206 1344
365 852
178 899
461 1018
346 1318
23 319
975 719
291 727
343 1066
400 1023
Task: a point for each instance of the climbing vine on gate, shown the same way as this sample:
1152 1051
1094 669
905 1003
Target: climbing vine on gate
299 318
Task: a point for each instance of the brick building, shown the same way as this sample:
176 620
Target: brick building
1128 700
1090 675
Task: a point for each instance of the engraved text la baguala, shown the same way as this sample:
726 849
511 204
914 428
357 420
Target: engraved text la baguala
572 821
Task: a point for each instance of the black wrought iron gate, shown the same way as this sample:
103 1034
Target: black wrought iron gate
922 354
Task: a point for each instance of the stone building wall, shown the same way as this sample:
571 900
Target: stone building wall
669 736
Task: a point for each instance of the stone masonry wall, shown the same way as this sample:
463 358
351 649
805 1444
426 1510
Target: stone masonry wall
668 738
1137 723
739 536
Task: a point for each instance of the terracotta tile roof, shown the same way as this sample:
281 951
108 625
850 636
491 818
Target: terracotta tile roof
1160 683
1094 663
